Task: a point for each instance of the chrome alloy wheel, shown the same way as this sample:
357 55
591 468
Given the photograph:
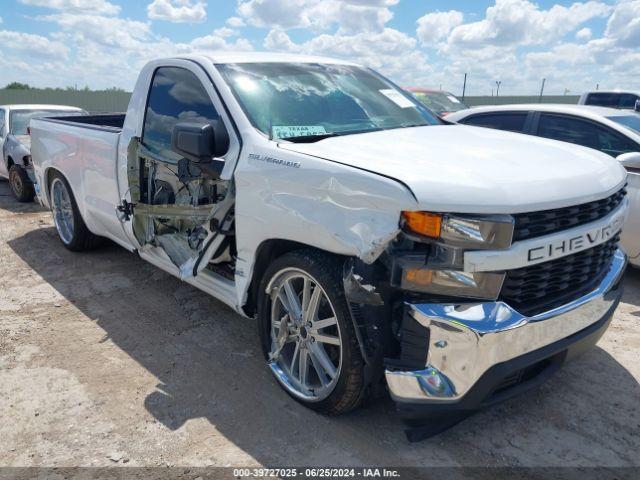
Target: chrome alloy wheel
306 344
62 210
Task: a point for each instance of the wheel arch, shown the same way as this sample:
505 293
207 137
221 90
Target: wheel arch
266 253
48 177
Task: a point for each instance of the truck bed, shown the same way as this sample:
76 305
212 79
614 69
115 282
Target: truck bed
112 122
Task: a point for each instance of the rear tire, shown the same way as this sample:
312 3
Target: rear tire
72 230
310 283
21 184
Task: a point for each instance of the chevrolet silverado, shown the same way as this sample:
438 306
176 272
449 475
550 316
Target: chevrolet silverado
371 240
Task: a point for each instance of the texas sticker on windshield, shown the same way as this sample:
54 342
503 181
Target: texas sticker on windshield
288 131
397 98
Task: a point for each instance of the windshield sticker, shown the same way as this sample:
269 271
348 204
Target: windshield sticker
288 131
453 99
397 98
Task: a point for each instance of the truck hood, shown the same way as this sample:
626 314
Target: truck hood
456 168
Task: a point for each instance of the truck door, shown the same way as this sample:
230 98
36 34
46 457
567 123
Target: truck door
178 209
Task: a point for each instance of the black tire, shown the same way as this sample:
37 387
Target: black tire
80 239
21 184
326 269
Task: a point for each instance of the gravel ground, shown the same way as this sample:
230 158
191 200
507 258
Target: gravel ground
107 360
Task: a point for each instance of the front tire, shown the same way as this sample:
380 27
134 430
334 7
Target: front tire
72 230
307 335
21 184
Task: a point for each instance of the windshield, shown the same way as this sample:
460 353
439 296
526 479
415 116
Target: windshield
20 119
305 100
440 102
629 121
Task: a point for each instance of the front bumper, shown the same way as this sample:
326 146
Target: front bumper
482 353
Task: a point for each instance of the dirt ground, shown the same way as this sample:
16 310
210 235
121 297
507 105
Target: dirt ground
106 360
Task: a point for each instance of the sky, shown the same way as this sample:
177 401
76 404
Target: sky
427 43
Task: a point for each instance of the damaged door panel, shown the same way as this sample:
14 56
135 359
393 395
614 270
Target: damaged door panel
188 217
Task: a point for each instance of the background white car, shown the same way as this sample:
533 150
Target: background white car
612 131
15 144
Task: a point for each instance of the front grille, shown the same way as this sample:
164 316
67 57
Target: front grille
530 225
538 288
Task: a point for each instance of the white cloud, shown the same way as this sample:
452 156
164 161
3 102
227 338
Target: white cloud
584 34
178 11
390 51
624 24
235 22
108 31
225 32
435 27
520 22
217 42
29 44
516 41
96 7
349 15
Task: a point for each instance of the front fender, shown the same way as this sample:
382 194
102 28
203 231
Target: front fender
330 206
15 150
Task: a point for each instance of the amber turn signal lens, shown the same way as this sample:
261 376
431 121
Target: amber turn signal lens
423 223
419 276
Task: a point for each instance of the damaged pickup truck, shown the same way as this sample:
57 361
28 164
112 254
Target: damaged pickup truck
371 240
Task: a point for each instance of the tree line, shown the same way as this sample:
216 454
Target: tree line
25 86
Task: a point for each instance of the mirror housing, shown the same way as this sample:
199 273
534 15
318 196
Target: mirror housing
637 108
630 161
200 142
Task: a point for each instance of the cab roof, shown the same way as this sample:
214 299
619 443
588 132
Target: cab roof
265 57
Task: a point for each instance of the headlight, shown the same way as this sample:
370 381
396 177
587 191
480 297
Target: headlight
468 231
439 269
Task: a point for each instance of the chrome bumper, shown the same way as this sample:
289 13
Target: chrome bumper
467 339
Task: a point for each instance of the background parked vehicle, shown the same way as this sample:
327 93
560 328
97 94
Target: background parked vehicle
611 131
443 103
629 100
15 144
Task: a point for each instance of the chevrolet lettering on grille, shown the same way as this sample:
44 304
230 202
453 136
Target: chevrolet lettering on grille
577 243
548 247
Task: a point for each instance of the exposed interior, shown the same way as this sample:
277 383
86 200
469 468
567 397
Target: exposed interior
184 209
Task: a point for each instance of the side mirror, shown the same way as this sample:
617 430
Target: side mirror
630 161
637 108
200 142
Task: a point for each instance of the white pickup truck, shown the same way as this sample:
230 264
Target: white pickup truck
371 240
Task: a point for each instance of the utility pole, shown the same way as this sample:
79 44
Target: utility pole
498 83
597 86
544 80
464 87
